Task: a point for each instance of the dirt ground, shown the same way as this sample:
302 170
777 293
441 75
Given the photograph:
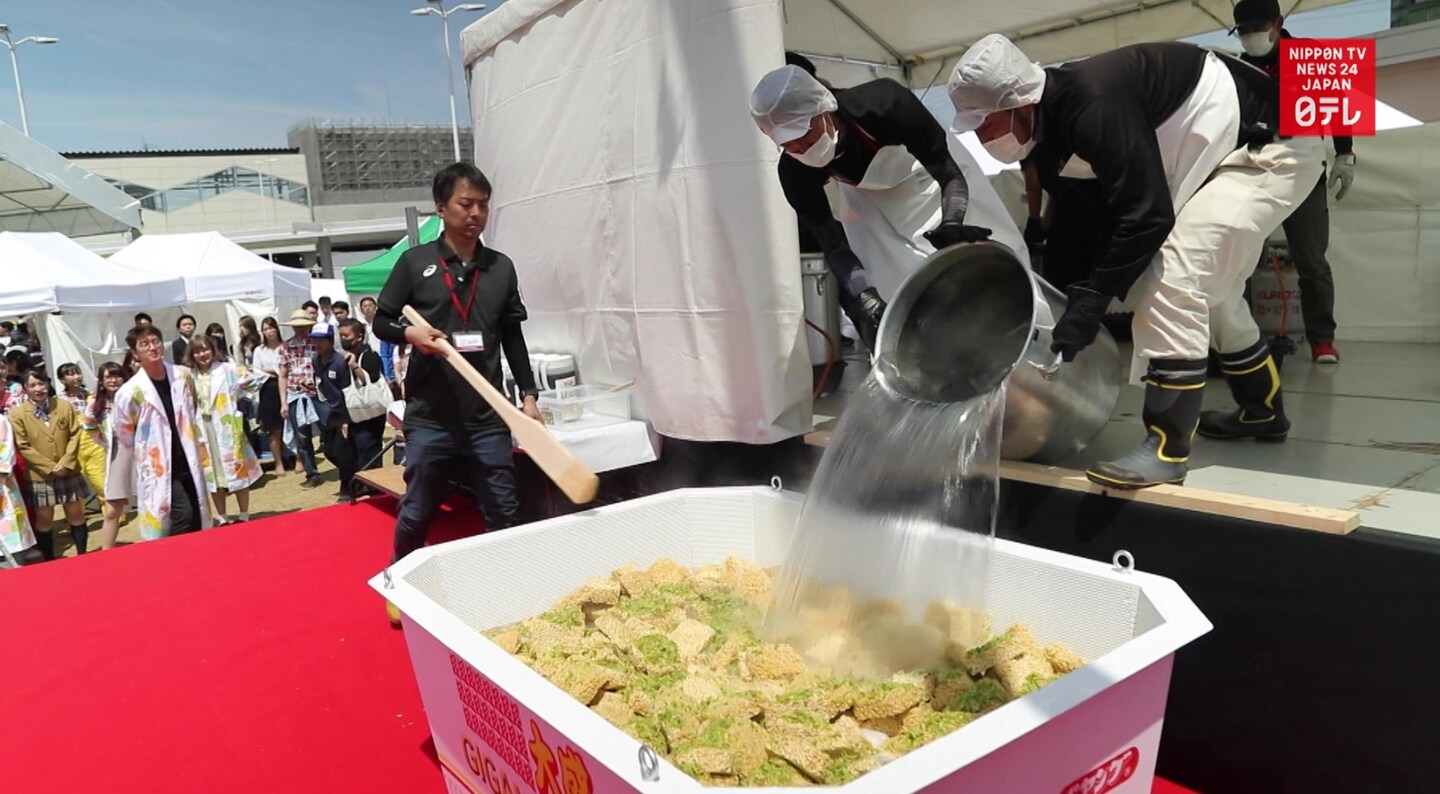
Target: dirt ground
268 497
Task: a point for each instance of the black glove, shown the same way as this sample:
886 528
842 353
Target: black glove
1256 136
1080 324
872 305
864 311
949 233
1034 232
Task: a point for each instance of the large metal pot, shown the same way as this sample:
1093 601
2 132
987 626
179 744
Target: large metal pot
965 320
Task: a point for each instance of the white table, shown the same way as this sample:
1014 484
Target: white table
601 447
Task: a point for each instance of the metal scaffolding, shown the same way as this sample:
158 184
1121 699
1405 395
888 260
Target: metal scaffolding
384 161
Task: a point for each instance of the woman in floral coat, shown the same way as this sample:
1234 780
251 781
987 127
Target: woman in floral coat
96 424
15 530
219 387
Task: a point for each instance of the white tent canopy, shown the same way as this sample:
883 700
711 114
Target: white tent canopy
923 37
914 40
24 291
223 282
83 281
214 268
98 297
213 279
40 191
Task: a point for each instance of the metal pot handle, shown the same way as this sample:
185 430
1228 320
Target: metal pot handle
1049 370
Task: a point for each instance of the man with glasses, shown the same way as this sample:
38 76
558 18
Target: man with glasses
166 480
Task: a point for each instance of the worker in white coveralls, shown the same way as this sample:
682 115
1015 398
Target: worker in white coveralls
907 187
1195 178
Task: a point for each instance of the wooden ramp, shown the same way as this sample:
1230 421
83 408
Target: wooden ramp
1249 508
389 480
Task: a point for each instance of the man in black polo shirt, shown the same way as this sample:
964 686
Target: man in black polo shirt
470 294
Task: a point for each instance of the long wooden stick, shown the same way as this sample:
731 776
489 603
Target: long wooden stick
573 478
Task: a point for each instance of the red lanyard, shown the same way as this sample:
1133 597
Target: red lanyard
455 299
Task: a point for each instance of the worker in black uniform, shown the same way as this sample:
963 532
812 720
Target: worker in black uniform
1260 28
903 182
1184 144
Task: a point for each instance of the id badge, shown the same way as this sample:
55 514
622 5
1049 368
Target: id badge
469 341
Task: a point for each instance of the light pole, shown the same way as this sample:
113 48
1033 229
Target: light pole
15 66
437 8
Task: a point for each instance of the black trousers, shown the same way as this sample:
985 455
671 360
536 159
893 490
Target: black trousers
184 502
341 452
434 458
368 438
1307 232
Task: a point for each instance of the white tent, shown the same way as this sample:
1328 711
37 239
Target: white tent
86 282
95 295
24 291
223 282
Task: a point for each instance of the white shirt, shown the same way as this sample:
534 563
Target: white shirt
266 358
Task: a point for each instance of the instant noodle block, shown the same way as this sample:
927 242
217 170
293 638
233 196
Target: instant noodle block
616 650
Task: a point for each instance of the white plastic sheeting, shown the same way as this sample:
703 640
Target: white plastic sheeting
1385 240
641 207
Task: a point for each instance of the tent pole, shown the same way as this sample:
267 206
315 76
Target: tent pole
412 225
1069 24
900 60
815 56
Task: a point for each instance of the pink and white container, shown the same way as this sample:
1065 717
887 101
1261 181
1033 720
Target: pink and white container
500 727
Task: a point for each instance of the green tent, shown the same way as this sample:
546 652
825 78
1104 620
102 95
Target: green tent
368 277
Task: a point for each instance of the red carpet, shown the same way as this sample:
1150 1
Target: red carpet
248 658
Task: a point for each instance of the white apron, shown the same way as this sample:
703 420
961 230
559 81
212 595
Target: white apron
887 214
1194 141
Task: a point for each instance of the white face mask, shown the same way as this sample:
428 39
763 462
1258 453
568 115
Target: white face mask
1007 148
821 152
1258 44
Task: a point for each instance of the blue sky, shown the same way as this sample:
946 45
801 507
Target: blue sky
239 73
221 73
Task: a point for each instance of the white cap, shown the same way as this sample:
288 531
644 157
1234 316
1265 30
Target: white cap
784 102
992 75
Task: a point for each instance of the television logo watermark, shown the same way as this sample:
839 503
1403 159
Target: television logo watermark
1327 87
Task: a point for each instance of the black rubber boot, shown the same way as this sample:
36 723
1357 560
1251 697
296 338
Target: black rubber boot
1174 391
1254 378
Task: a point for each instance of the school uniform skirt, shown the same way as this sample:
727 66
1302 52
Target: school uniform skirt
56 491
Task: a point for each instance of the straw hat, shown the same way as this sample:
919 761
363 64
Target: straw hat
299 317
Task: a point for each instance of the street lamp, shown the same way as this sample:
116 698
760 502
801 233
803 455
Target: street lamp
15 66
437 8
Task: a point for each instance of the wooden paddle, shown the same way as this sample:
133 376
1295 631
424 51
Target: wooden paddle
573 478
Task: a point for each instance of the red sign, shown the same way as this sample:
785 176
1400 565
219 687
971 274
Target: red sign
1327 87
1108 776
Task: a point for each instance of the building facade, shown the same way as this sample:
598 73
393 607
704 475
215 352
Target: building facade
337 195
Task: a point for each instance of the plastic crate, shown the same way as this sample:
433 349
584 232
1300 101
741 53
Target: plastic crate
581 407
499 726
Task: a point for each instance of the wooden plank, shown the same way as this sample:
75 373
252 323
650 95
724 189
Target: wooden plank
1250 508
389 481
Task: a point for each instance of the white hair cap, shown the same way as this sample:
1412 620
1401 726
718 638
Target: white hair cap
785 100
992 75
